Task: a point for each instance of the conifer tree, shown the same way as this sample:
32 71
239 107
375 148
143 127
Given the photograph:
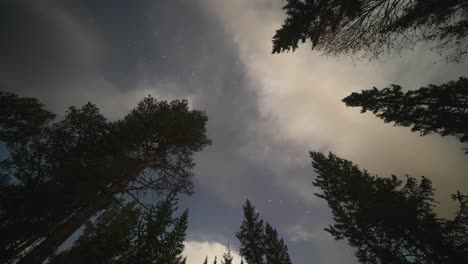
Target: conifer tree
206 260
215 260
276 251
159 236
227 256
386 220
60 174
251 236
368 28
104 239
441 109
131 235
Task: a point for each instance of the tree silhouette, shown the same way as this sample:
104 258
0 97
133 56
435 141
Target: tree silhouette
227 257
59 174
369 27
104 239
251 236
21 118
131 235
441 109
386 220
259 244
276 251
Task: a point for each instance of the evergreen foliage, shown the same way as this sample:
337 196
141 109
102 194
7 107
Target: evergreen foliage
259 244
386 220
131 235
57 175
251 236
227 257
369 27
276 251
441 109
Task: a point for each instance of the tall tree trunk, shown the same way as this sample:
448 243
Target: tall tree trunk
64 230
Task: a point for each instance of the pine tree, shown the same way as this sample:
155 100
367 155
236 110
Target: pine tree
227 256
206 260
59 174
276 251
368 28
251 236
24 126
21 118
386 220
215 260
441 109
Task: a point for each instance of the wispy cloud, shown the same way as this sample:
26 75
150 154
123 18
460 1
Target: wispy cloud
300 101
197 251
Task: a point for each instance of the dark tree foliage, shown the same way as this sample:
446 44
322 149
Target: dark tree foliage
57 175
389 221
227 257
160 237
215 260
21 118
104 239
276 251
441 109
259 244
369 27
206 260
251 236
131 235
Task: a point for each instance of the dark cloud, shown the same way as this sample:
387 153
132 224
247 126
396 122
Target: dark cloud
43 45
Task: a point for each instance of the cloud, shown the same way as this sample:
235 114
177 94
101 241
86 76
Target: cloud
196 252
298 233
265 111
300 103
319 244
44 44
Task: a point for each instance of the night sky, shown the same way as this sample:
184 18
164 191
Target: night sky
265 111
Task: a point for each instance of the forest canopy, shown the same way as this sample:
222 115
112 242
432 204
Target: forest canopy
368 28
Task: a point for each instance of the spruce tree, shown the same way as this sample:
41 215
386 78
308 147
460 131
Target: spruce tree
215 260
159 237
131 235
276 251
386 220
227 256
251 236
441 109
206 260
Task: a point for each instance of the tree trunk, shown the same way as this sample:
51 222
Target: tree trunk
65 229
